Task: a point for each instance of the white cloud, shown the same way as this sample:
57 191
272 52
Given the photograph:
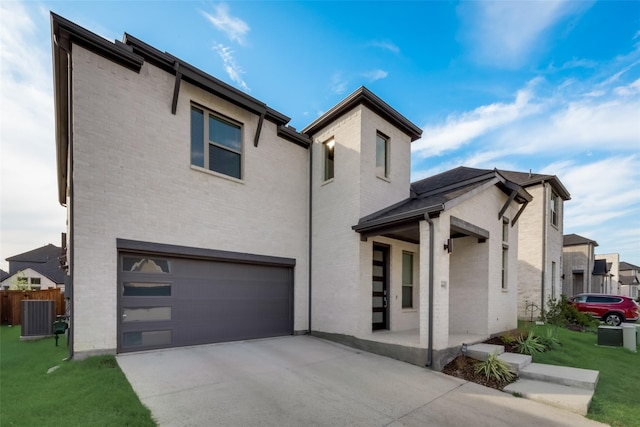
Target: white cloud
504 33
374 75
461 129
234 28
385 45
338 83
31 215
234 71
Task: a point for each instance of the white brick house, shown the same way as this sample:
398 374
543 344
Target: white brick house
197 215
539 242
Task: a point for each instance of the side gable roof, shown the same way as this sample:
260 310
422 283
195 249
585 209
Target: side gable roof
40 255
624 266
574 240
365 97
437 193
3 275
528 179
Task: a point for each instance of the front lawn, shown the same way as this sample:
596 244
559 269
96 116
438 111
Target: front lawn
92 392
617 397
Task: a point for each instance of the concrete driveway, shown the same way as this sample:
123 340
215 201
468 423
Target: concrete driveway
306 381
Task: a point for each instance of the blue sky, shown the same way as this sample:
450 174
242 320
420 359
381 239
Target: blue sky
547 86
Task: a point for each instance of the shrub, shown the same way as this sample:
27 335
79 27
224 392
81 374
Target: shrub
494 368
561 313
507 338
549 340
529 345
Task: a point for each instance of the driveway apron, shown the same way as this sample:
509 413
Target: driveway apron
306 381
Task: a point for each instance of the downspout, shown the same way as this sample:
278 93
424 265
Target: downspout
431 257
546 219
310 261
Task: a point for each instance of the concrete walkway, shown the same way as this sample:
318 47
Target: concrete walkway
306 381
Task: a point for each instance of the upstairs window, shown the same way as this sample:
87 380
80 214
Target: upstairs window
329 150
216 143
554 205
382 156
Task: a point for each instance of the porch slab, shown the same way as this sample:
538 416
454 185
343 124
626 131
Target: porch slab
563 375
483 351
515 361
574 399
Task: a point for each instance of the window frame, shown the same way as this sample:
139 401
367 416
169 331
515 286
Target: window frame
505 254
411 304
554 209
328 159
207 143
386 168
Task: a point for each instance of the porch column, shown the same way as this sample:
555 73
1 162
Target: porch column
440 283
423 306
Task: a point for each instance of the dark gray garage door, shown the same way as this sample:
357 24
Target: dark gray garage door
171 302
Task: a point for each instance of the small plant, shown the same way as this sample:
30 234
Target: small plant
507 338
549 340
494 368
530 345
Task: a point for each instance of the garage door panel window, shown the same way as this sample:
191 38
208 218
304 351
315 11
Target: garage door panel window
146 339
146 265
146 289
146 314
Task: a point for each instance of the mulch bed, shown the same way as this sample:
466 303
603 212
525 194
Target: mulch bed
464 367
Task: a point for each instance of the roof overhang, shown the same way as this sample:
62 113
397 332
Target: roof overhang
364 96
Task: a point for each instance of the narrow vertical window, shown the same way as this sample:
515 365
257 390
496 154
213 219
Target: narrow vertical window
382 156
329 148
505 252
197 137
553 279
553 209
407 280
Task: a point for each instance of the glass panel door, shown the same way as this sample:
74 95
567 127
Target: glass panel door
379 288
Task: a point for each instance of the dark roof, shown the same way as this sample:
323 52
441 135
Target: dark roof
45 260
132 53
433 194
528 179
3 275
40 255
627 266
574 240
364 96
629 280
600 267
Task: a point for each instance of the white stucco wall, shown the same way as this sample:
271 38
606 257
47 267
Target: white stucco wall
133 180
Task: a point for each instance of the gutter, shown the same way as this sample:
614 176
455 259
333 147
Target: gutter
431 257
544 243
310 241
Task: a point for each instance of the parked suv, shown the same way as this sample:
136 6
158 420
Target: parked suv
611 309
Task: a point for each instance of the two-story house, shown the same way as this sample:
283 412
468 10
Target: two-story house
540 241
35 269
629 279
578 265
197 215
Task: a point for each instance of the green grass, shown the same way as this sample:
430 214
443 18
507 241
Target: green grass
92 392
617 397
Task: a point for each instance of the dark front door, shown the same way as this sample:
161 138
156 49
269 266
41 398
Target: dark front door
379 287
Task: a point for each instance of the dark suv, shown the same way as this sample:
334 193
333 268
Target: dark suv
611 309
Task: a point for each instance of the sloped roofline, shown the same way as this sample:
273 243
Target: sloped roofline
528 179
576 240
365 97
131 54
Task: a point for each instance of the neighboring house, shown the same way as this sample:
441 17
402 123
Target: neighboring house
197 215
629 279
3 275
610 279
578 265
36 269
540 241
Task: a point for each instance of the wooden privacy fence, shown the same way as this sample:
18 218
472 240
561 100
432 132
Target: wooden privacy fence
10 303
